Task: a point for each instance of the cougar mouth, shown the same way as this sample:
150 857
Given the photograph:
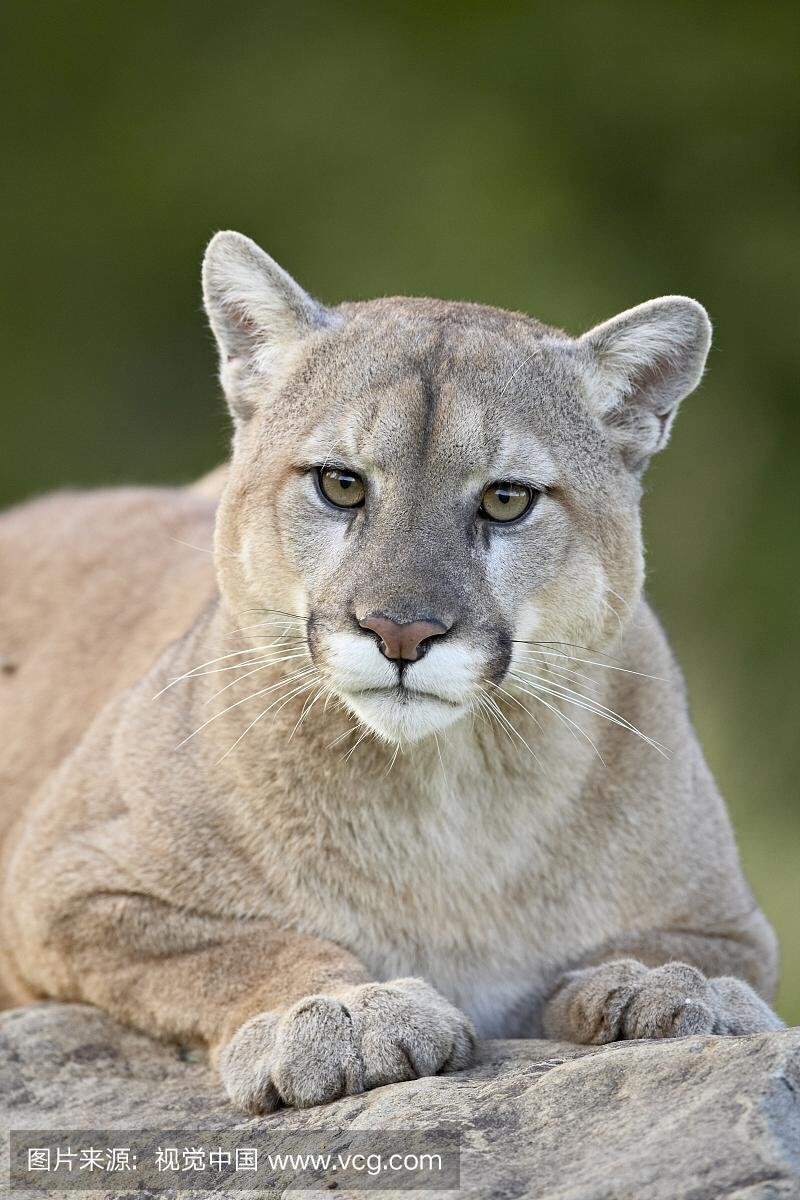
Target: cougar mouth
406 694
402 715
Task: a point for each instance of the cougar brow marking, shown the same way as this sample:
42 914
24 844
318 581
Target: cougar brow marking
428 370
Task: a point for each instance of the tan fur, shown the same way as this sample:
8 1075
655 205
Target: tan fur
278 900
211 485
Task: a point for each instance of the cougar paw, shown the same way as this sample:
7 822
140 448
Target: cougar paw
627 1000
329 1046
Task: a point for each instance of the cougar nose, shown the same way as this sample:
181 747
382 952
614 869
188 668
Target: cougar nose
404 641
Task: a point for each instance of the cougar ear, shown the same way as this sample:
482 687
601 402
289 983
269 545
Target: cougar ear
641 365
254 307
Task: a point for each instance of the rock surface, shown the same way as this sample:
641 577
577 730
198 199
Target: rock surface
699 1117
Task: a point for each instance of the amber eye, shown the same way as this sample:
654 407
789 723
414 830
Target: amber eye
341 488
505 501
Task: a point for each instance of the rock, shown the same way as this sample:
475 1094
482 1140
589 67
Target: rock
697 1117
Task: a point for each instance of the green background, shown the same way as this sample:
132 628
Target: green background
569 160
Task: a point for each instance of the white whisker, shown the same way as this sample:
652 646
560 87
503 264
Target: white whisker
546 664
515 373
204 549
489 716
586 703
510 725
571 725
267 662
235 666
341 736
281 683
441 762
271 622
607 604
392 760
211 661
281 700
356 744
606 666
307 707
625 604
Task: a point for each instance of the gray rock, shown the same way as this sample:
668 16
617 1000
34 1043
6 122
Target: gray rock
698 1117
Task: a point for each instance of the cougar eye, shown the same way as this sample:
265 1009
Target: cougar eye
343 489
506 501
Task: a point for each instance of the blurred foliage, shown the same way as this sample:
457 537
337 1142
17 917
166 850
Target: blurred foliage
568 160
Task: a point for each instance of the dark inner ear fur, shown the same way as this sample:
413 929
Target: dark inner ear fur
241 408
641 419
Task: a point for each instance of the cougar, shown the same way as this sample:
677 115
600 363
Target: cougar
407 761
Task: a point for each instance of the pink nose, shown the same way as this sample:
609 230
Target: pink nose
402 641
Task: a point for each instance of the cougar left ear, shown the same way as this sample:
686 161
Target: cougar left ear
255 309
641 364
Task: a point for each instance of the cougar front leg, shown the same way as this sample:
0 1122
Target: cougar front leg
671 988
287 1018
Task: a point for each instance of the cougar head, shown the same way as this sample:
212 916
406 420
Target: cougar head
433 485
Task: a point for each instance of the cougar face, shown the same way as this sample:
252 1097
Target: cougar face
430 484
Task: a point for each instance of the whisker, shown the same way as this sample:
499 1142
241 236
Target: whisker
532 716
547 664
514 374
272 622
489 716
204 549
590 662
590 705
268 662
566 692
625 604
211 661
571 645
607 604
276 612
476 709
356 744
571 725
235 667
307 707
392 760
281 683
342 736
504 719
441 762
281 700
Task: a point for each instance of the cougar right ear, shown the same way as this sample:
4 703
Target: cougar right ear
254 307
